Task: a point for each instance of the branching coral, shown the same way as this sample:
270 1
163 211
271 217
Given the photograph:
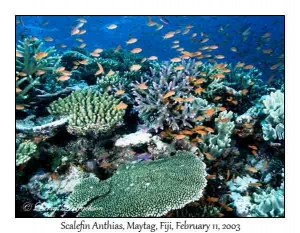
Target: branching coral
24 152
142 189
273 125
172 100
89 112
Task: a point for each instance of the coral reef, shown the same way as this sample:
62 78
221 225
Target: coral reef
273 125
24 152
89 112
142 189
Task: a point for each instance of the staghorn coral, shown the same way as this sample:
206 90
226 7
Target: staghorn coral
142 189
181 108
273 124
89 112
24 152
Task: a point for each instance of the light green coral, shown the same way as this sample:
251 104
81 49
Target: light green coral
89 112
142 189
215 143
273 125
24 152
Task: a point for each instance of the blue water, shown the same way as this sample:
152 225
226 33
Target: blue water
224 31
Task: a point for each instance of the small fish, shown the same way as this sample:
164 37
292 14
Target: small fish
185 57
252 169
178 136
112 26
233 49
209 177
118 48
66 72
179 68
111 72
227 175
19 107
79 39
274 67
84 62
167 95
240 65
98 50
212 199
150 23
197 139
267 51
227 208
63 78
189 99
253 147
54 176
48 39
168 35
18 90
60 69
201 132
213 46
224 120
194 35
152 58
82 20
219 56
199 90
209 156
209 112
219 75
81 32
142 86
75 31
248 67
82 45
208 129
136 50
186 31
18 54
40 55
40 72
180 49
120 92
131 41
95 54
255 184
143 60
100 71
163 19
159 26
178 99
199 118
220 215
244 91
217 98
198 63
22 74
121 106
135 67
204 40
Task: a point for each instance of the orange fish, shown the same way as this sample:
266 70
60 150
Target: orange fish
186 132
221 109
101 70
224 120
136 50
227 208
131 41
40 55
65 72
201 132
18 54
179 68
212 199
186 31
178 99
274 67
204 40
197 139
98 50
48 39
200 81
118 48
60 69
198 63
23 74
209 112
111 72
168 35
63 78
176 59
211 177
175 46
255 184
121 106
240 64
189 99
199 118
252 169
253 147
234 102
95 54
84 62
135 67
112 26
150 23
209 156
217 98
178 136
81 32
142 86
244 91
18 90
168 94
199 90
219 56
40 72
54 176
213 46
75 31
208 129
120 92
19 107
82 45
233 49
152 58
248 67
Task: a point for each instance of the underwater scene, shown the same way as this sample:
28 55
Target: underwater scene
149 116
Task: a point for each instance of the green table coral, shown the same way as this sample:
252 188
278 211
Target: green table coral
142 189
89 112
24 152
